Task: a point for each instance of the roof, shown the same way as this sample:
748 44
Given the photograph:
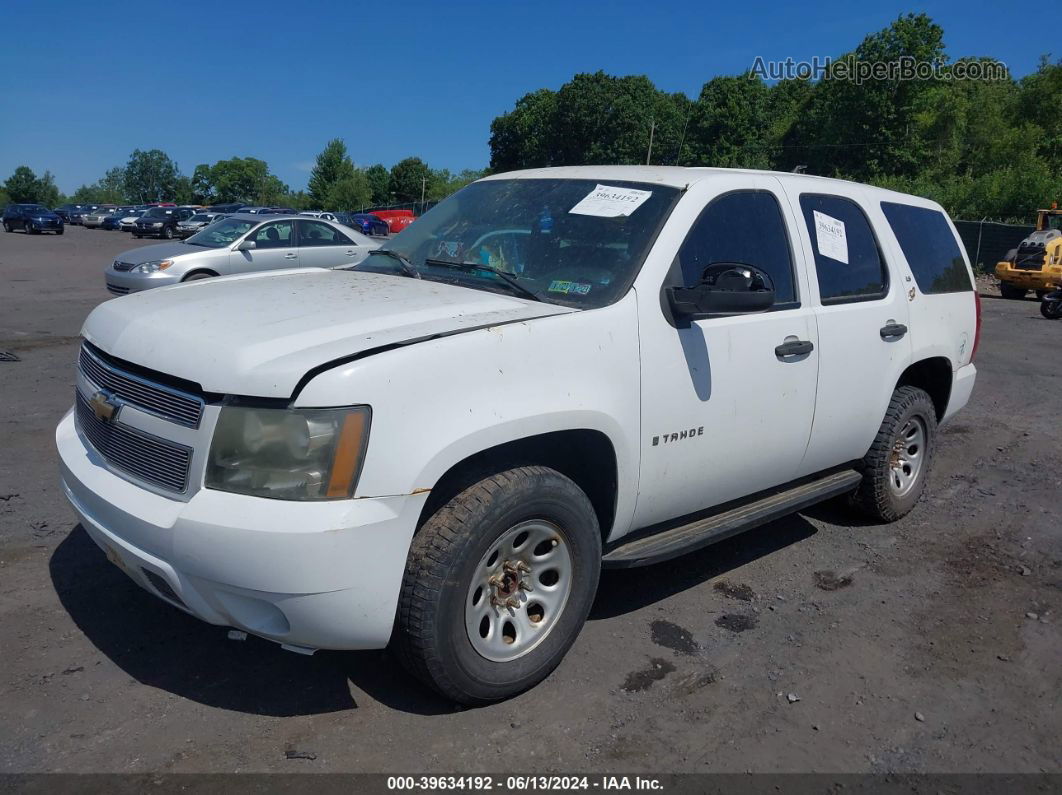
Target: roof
674 176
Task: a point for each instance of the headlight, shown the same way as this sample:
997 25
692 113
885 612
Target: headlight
157 223
154 266
288 454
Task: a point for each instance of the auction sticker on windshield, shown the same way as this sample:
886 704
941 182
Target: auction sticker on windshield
606 201
831 238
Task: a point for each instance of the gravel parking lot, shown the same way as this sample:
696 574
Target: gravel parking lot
817 643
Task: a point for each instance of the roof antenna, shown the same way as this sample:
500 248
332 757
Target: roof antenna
799 169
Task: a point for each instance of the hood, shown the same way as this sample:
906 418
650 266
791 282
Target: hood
47 214
259 334
138 256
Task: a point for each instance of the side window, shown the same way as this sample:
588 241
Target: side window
314 233
745 227
930 248
276 235
848 260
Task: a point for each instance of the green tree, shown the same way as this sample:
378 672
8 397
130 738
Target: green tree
333 165
238 179
409 178
47 192
150 176
731 124
379 183
22 186
522 137
349 193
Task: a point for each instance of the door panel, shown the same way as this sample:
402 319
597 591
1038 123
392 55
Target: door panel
859 361
723 415
275 249
322 245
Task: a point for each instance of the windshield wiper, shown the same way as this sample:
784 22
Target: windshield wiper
407 266
468 267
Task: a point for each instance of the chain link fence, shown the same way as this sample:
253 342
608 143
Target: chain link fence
988 242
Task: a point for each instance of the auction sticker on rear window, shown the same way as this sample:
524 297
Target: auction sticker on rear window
831 237
569 288
606 201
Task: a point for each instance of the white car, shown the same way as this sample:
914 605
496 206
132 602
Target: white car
553 371
128 222
319 214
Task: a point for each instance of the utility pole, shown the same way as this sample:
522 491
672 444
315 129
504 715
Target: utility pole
423 185
652 129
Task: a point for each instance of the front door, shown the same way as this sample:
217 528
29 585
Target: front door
726 411
274 248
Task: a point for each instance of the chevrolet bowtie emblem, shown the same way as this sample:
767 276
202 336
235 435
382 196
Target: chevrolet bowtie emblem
105 406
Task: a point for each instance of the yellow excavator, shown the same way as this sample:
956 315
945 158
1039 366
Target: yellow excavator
1036 264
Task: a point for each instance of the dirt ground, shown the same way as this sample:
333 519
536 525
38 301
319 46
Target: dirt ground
817 643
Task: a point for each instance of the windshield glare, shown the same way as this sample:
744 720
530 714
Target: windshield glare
222 233
545 234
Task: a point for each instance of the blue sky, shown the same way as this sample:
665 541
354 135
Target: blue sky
86 83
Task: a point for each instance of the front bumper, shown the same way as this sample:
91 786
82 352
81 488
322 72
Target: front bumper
125 282
310 575
1031 280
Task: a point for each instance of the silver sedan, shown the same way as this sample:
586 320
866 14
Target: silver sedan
241 243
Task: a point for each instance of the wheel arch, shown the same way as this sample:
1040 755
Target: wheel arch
934 376
199 272
586 456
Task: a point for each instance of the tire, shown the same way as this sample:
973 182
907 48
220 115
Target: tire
137 236
1009 291
7 226
31 231
59 231
888 493
448 565
1052 310
194 277
167 233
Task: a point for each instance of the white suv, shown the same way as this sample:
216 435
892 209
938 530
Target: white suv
550 372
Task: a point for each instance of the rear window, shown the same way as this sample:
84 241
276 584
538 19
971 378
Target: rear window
930 248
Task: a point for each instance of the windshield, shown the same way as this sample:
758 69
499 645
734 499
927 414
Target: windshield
1054 222
573 242
221 233
157 212
200 217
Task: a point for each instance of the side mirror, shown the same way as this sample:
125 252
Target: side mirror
246 245
726 288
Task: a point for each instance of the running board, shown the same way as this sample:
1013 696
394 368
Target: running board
671 543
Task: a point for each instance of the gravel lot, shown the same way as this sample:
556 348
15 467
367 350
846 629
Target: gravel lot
816 643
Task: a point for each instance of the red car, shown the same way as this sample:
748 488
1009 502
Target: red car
396 220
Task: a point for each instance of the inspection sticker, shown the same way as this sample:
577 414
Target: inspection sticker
569 288
829 232
606 201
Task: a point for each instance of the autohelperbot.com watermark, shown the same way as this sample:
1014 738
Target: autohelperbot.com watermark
860 71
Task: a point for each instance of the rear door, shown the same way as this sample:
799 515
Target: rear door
275 247
862 316
322 245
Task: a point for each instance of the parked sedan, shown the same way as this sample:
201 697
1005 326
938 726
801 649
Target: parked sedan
129 219
367 223
161 221
190 226
94 219
32 219
64 211
240 243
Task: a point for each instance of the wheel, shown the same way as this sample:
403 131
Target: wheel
167 233
7 226
498 583
897 464
1010 291
30 230
1052 310
194 277
137 236
59 231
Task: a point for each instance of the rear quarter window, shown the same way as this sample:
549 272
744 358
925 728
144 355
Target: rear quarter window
929 245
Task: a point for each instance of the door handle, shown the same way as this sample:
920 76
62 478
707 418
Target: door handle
794 348
893 331
350 253
290 256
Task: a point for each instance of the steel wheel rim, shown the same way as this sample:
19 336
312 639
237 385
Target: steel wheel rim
908 457
519 591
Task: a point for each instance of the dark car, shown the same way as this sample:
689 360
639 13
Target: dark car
65 211
32 219
161 221
224 209
366 223
114 220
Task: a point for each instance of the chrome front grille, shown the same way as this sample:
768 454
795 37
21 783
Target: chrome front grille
154 460
162 401
116 289
123 266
